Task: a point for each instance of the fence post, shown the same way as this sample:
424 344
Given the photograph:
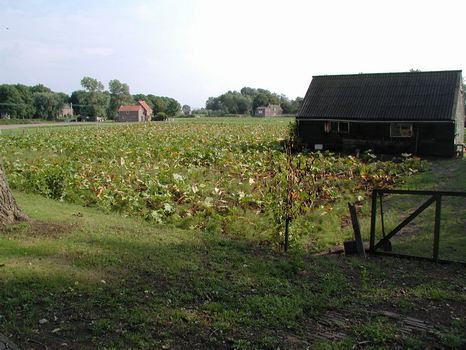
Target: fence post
357 230
373 218
438 207
287 234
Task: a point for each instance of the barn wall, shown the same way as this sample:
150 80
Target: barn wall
459 132
131 116
436 139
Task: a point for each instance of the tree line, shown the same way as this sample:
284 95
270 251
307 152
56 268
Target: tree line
93 100
247 100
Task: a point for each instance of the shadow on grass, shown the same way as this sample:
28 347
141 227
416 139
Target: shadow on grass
113 282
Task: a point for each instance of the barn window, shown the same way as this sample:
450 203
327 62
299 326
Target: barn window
401 130
336 127
343 127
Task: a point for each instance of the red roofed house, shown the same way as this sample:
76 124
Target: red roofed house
138 113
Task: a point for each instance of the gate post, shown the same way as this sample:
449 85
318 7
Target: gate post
373 218
438 207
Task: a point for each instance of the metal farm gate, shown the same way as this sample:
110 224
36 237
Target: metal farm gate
384 246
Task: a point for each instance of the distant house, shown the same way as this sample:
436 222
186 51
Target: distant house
269 111
141 112
415 112
66 110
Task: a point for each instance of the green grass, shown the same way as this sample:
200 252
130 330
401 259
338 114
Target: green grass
24 121
106 281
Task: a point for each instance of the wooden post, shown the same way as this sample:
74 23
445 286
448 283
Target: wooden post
438 207
387 246
287 235
357 230
381 215
373 218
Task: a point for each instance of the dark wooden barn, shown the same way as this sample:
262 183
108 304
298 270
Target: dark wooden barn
412 112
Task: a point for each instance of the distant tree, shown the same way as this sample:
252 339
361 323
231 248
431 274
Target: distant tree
138 97
249 92
247 100
200 111
414 70
173 107
119 95
47 105
16 101
167 105
39 88
297 103
213 103
79 100
287 106
186 109
94 101
92 85
244 105
261 99
159 104
10 101
161 116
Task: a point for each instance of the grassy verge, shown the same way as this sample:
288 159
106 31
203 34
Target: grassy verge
77 278
24 121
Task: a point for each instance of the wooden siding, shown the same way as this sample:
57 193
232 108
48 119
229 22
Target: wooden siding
433 139
131 116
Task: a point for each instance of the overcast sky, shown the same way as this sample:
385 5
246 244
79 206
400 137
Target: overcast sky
191 50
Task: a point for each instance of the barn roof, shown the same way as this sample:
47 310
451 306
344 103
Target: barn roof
129 108
408 96
145 106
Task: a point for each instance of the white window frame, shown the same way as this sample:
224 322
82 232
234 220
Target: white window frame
346 131
401 130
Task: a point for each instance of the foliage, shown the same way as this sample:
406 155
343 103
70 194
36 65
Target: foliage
47 105
21 101
92 85
186 109
161 116
209 176
248 99
119 95
94 99
167 105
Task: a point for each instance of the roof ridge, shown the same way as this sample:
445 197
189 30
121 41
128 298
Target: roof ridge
386 73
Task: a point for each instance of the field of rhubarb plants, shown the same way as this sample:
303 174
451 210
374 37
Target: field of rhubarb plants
212 175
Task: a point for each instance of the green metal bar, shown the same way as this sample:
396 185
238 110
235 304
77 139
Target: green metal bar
423 193
438 208
406 221
420 258
381 215
373 220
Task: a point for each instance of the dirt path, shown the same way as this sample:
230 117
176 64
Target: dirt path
6 344
20 126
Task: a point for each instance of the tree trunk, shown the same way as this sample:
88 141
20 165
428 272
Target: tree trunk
9 210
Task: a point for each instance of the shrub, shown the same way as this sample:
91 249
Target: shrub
161 116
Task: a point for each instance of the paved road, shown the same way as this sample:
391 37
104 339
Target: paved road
18 126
